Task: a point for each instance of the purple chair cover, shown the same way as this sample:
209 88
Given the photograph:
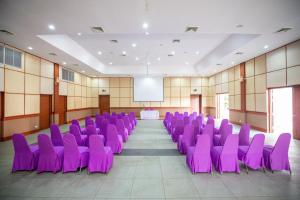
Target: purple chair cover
127 124
196 126
209 130
76 122
99 120
223 123
225 158
177 130
244 135
198 158
252 156
74 156
113 120
100 157
220 139
122 130
103 128
209 121
80 139
186 114
56 136
114 140
277 158
186 140
51 157
186 120
88 121
91 130
25 157
132 120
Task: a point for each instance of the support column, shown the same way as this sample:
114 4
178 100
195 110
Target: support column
56 93
296 112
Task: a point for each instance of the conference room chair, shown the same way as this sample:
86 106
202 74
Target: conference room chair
252 155
100 156
50 157
103 128
132 120
88 121
80 139
114 140
225 158
122 130
74 156
186 120
209 121
91 130
128 124
177 130
56 136
187 139
220 139
196 125
166 118
244 135
171 124
98 120
113 119
82 129
276 157
198 157
209 130
25 156
223 123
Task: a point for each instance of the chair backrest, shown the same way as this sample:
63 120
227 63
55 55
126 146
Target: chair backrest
257 145
223 123
99 119
56 136
186 120
112 133
70 145
188 134
45 145
89 121
186 114
113 119
91 130
244 135
126 122
211 121
203 144
96 144
200 120
120 125
20 144
103 127
209 130
225 132
231 145
281 147
74 130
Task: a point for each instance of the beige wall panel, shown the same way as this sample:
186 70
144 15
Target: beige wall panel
185 82
250 85
125 82
1 79
195 90
293 75
165 103
250 102
124 102
293 54
237 87
88 102
104 82
204 81
276 60
94 92
14 105
77 89
175 102
167 92
257 120
212 80
32 104
134 103
77 103
204 91
167 82
88 82
83 80
32 84
260 83
175 82
204 101
218 89
63 88
125 92
237 102
237 72
47 69
276 79
196 81
114 82
32 64
185 102
231 102
95 82
14 81
95 102
175 91
231 74
70 103
235 116
114 92
71 89
145 104
185 91
88 92
225 76
260 64
83 102
47 85
114 102
260 103
77 78
249 68
103 91
231 88
155 104
213 101
219 78
83 91
224 87
212 91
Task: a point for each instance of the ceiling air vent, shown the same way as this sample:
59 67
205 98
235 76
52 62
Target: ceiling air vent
283 30
52 54
219 64
76 65
176 41
191 29
97 29
239 53
6 32
170 55
114 41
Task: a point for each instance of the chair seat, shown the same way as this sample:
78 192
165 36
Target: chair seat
34 148
217 149
82 149
243 149
83 137
59 149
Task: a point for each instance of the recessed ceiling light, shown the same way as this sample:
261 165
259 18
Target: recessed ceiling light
133 44
147 33
51 27
79 34
232 62
136 58
266 46
158 58
64 63
110 63
83 71
239 25
145 25
123 52
148 63
99 52
187 63
30 48
173 52
197 52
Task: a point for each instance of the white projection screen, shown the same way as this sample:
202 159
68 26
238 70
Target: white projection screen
148 88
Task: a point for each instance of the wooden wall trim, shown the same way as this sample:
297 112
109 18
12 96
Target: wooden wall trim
21 116
56 88
80 109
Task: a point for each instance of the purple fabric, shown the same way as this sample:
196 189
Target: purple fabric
90 130
252 156
80 139
76 122
127 124
225 158
223 123
167 118
209 130
186 120
276 158
122 130
220 139
186 140
209 121
113 120
198 158
244 135
177 130
100 158
88 121
50 157
196 125
114 140
25 157
99 119
132 120
74 157
103 128
56 136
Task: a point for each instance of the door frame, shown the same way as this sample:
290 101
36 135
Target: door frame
99 104
50 108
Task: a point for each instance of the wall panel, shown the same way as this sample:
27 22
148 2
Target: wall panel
14 104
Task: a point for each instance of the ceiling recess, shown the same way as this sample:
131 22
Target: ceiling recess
114 41
6 32
176 41
97 29
191 29
283 30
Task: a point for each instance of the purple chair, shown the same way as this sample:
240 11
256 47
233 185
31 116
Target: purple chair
209 121
252 156
91 130
196 126
26 156
113 119
209 130
198 158
186 140
99 119
74 156
220 139
127 124
51 157
114 140
225 158
223 123
244 135
88 121
101 157
80 139
103 128
277 158
122 130
177 130
186 120
56 136
76 122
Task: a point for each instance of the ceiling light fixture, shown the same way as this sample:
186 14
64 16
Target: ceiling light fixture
147 33
158 58
239 25
136 58
123 53
197 52
133 44
30 48
64 63
79 34
145 25
232 62
51 27
83 71
266 46
187 63
173 53
99 52
110 63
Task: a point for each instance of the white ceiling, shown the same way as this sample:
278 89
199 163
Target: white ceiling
216 41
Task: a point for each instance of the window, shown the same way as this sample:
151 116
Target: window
1 54
67 75
12 57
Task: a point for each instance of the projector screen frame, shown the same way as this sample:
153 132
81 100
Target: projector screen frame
163 89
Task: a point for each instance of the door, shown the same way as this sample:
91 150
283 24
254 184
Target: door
45 111
296 112
196 103
62 109
222 106
104 105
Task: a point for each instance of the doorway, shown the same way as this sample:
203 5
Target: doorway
196 103
104 104
62 109
281 110
45 111
222 106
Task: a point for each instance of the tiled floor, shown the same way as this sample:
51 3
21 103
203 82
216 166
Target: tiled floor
149 177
